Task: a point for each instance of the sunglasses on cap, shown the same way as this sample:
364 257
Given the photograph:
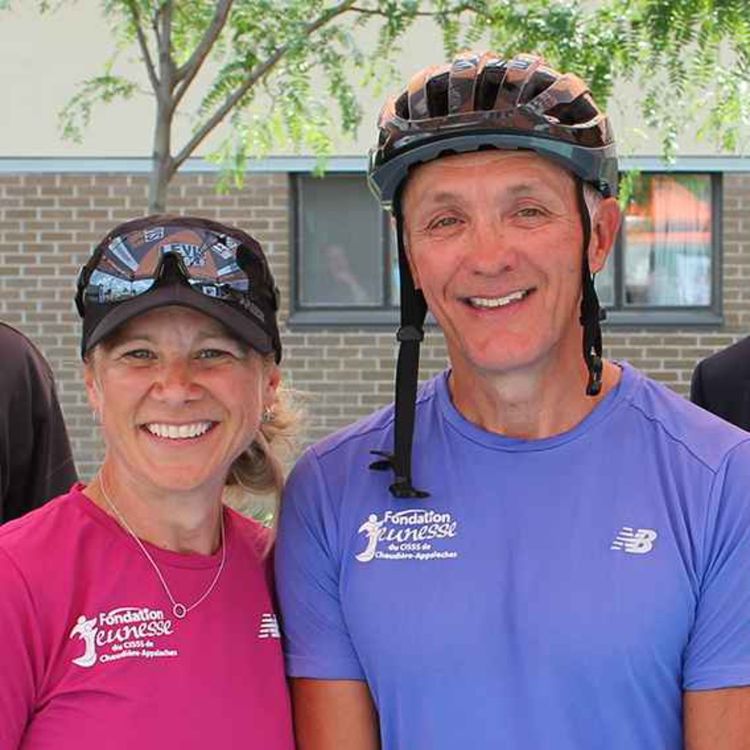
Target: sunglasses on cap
225 266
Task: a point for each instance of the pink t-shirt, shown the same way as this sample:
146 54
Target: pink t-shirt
92 657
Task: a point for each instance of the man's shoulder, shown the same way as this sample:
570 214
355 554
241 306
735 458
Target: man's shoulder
687 427
21 358
341 462
14 341
732 362
375 429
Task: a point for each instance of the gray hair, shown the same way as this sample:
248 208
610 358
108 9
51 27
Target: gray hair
592 197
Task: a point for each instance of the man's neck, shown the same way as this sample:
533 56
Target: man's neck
529 404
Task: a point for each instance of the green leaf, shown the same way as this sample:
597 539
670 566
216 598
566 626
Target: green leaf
76 114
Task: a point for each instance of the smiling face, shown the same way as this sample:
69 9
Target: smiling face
180 398
494 240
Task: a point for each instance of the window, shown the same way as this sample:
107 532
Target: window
664 268
347 263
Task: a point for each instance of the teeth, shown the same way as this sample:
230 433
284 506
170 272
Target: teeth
498 301
178 432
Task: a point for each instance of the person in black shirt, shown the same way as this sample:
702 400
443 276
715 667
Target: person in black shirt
721 384
36 463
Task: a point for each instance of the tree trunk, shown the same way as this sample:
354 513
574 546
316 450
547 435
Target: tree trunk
161 163
162 166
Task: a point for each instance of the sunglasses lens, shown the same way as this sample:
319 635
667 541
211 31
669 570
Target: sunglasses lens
130 264
104 288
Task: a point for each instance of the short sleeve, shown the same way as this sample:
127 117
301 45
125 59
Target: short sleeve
696 386
316 640
36 463
718 652
20 654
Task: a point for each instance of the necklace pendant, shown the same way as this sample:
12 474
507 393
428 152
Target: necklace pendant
178 610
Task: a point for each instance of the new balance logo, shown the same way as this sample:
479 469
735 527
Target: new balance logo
634 541
269 627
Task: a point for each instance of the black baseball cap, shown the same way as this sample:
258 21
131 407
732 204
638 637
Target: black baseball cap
198 263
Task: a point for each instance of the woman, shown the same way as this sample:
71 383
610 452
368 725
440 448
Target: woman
136 610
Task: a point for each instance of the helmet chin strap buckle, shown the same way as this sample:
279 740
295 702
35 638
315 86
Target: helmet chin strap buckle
410 333
596 367
401 487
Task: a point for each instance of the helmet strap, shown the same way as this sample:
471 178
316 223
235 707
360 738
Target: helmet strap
591 313
410 336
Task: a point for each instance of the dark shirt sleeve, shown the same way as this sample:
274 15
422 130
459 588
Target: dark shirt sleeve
697 395
36 462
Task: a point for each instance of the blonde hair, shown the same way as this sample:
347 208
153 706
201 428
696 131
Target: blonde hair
261 468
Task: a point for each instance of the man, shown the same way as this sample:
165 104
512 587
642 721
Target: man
567 565
721 384
35 459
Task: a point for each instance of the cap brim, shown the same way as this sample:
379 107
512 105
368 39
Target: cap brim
238 323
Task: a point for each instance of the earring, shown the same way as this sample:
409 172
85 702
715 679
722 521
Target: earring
267 415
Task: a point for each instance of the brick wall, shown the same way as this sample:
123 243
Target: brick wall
48 223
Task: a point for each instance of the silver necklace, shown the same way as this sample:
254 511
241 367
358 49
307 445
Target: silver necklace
179 610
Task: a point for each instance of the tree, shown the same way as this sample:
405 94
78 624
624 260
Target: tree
276 65
268 59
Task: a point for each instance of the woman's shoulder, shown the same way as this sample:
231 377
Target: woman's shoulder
39 540
252 534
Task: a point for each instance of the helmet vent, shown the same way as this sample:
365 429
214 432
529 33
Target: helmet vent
580 111
437 95
488 85
541 81
402 106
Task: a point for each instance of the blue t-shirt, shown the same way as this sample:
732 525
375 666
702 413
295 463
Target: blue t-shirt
557 593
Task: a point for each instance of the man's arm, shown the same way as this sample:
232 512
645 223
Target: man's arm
717 719
334 714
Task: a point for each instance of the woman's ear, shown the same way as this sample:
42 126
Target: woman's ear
272 374
93 389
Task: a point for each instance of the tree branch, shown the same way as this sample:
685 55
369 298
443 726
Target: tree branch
418 14
143 44
258 72
166 62
155 26
186 73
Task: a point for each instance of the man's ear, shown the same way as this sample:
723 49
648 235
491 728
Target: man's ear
605 225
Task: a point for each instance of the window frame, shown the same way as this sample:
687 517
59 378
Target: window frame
624 317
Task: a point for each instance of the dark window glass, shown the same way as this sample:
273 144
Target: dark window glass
341 245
